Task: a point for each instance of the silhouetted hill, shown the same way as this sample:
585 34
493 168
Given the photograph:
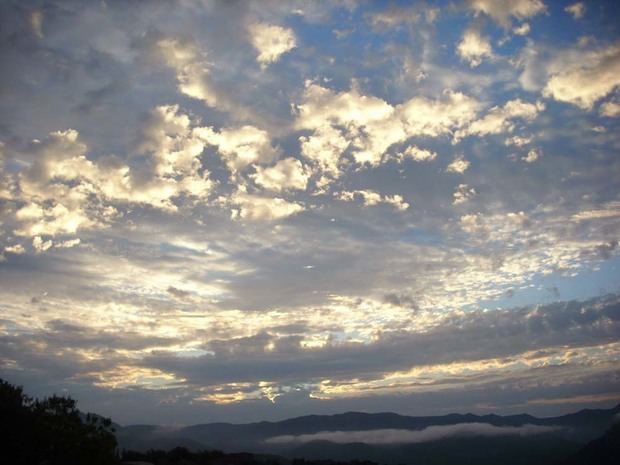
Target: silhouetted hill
555 439
602 451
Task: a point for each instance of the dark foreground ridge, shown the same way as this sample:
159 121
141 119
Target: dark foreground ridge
53 431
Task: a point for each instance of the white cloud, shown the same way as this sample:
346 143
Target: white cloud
584 77
417 154
531 156
240 147
609 210
370 125
261 208
610 109
502 10
458 165
500 119
522 30
191 67
370 198
576 9
463 193
325 147
16 249
62 191
40 245
271 42
68 244
518 141
403 436
474 47
433 118
286 174
321 105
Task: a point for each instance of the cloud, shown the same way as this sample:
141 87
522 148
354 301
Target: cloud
285 174
325 147
502 10
395 16
522 30
403 436
15 249
577 9
586 78
191 67
610 109
459 165
608 210
463 193
261 208
531 156
271 42
474 48
370 198
501 119
371 125
240 147
518 141
36 23
154 177
417 154
40 245
62 191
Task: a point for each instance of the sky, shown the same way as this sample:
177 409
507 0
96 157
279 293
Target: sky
242 211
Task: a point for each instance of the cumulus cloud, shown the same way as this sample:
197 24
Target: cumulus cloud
531 156
417 154
371 125
522 30
403 436
370 198
459 165
271 42
40 245
584 77
125 220
610 109
474 47
462 194
577 10
500 119
286 174
518 141
502 10
17 249
261 208
62 191
325 148
240 147
191 67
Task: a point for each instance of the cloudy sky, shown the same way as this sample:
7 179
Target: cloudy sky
236 211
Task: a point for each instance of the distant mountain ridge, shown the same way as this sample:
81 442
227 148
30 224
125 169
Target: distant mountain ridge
569 433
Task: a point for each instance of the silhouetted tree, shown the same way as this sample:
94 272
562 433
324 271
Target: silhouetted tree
52 431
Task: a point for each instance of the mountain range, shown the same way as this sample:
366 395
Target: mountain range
389 438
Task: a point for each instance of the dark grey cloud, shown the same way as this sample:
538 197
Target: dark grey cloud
474 336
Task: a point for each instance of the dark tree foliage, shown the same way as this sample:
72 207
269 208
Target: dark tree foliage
182 456
52 431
